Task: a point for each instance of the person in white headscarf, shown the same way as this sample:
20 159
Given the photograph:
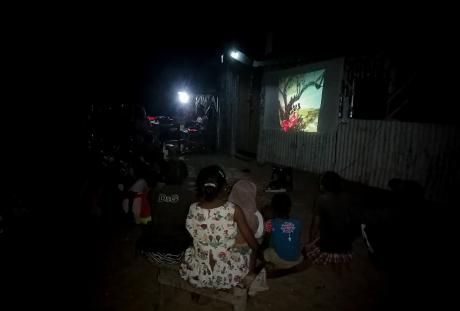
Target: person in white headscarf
243 194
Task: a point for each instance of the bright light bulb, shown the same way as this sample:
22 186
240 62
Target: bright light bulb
235 54
183 97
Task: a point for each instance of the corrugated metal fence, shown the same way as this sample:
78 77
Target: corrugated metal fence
373 152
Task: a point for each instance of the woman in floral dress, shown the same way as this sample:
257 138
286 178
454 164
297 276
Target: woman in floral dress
213 261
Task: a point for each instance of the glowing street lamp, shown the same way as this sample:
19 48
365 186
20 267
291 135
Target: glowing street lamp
235 55
184 97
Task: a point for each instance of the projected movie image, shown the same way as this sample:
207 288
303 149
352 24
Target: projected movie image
300 101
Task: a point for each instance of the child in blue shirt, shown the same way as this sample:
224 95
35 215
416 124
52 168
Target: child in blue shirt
283 232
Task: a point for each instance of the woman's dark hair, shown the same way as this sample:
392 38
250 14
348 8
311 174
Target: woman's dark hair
281 204
331 181
209 182
176 172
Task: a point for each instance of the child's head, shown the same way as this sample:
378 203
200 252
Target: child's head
395 184
210 182
330 182
281 205
243 193
176 172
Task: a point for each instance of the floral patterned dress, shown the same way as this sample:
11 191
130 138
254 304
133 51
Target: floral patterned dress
214 232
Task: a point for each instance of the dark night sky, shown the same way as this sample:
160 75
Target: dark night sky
149 70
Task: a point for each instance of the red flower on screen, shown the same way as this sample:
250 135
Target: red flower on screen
291 122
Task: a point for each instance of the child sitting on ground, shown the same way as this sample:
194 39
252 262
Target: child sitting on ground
136 205
283 234
165 238
331 230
